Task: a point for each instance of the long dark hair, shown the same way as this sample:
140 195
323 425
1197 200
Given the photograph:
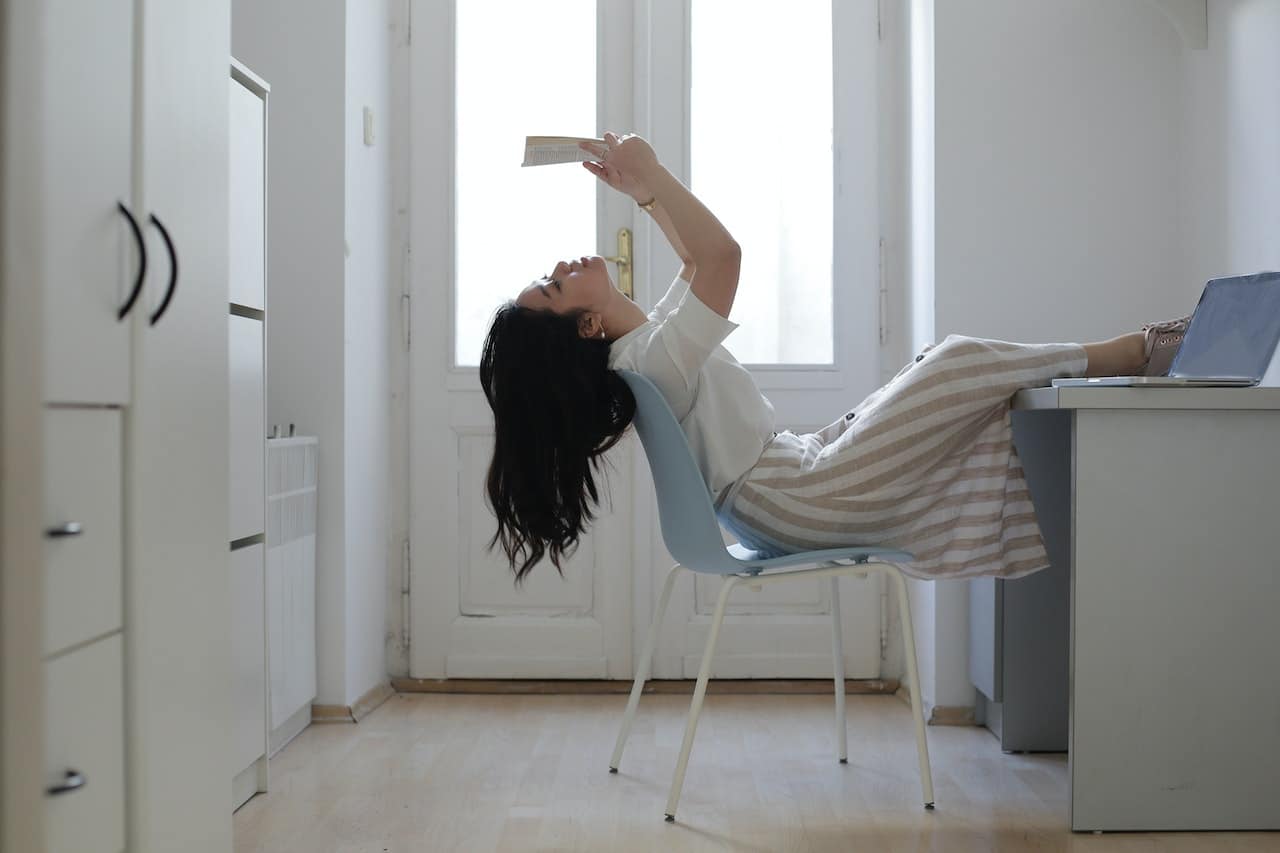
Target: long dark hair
557 408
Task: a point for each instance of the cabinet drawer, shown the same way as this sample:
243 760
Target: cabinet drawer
247 247
248 429
82 595
84 697
248 655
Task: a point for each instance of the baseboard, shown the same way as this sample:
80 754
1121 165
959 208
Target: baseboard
246 783
357 710
331 714
797 686
371 700
943 715
289 729
953 715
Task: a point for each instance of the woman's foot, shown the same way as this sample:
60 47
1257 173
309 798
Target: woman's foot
1161 343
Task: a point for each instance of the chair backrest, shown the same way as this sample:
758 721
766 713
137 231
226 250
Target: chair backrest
689 526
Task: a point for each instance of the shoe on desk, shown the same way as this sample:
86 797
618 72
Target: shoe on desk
1162 342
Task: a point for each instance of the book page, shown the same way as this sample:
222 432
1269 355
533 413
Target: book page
545 150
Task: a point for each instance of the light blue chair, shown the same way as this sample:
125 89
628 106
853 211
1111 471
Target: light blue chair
692 535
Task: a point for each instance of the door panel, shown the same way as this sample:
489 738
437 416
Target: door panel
784 631
484 76
248 428
248 167
85 732
485 579
82 573
248 658
91 259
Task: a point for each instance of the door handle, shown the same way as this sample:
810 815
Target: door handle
173 270
70 528
73 780
142 263
623 260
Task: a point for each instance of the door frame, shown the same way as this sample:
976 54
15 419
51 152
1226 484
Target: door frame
455 403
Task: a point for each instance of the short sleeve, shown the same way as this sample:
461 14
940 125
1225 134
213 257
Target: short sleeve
678 348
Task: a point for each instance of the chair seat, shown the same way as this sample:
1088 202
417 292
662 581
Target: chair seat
759 561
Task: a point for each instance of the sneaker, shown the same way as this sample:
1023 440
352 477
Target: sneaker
1162 343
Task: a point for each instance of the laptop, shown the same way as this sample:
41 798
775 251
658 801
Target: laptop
1230 340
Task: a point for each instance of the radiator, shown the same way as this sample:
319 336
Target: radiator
291 582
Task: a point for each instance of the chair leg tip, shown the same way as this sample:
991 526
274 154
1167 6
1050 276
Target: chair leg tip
929 806
613 770
671 818
844 761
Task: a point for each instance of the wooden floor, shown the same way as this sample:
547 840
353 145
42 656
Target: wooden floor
440 772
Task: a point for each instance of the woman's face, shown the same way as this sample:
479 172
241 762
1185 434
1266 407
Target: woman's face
581 284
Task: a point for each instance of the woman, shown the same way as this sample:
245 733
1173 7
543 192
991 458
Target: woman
925 463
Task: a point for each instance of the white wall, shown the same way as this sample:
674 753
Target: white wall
1052 213
397 137
367 383
1230 219
1056 163
328 226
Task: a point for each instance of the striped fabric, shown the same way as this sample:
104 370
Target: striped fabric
925 463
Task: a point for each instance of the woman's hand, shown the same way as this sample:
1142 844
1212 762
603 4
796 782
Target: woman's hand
624 162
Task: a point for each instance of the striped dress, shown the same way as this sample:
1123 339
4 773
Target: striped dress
925 463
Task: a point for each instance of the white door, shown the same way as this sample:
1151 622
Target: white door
762 110
483 76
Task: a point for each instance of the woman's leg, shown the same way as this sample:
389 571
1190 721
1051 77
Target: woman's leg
1121 356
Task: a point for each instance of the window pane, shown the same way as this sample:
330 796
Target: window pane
760 150
513 223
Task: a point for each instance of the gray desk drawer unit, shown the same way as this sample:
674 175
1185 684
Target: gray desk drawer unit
1019 629
1174 587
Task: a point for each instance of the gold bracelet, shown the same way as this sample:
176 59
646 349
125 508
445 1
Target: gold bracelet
648 205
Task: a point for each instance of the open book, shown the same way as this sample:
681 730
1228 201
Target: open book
545 150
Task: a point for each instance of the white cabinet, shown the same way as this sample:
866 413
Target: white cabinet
247 495
248 424
93 262
84 697
114 152
248 190
248 656
84 500
292 465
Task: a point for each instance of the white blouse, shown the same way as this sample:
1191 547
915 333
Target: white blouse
725 417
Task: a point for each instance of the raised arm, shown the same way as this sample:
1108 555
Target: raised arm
644 197
711 250
660 216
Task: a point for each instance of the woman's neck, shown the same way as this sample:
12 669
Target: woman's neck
620 316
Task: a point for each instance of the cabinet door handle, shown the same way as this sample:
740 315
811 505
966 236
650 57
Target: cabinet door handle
173 270
73 781
142 263
71 528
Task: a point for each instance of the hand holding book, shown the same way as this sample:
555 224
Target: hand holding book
623 163
619 161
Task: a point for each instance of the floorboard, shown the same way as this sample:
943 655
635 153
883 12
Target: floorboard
457 772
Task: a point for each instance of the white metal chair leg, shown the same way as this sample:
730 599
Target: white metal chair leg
917 711
642 674
699 692
837 654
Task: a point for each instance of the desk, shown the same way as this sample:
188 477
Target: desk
1174 661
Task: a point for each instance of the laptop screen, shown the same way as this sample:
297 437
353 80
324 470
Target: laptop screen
1234 330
